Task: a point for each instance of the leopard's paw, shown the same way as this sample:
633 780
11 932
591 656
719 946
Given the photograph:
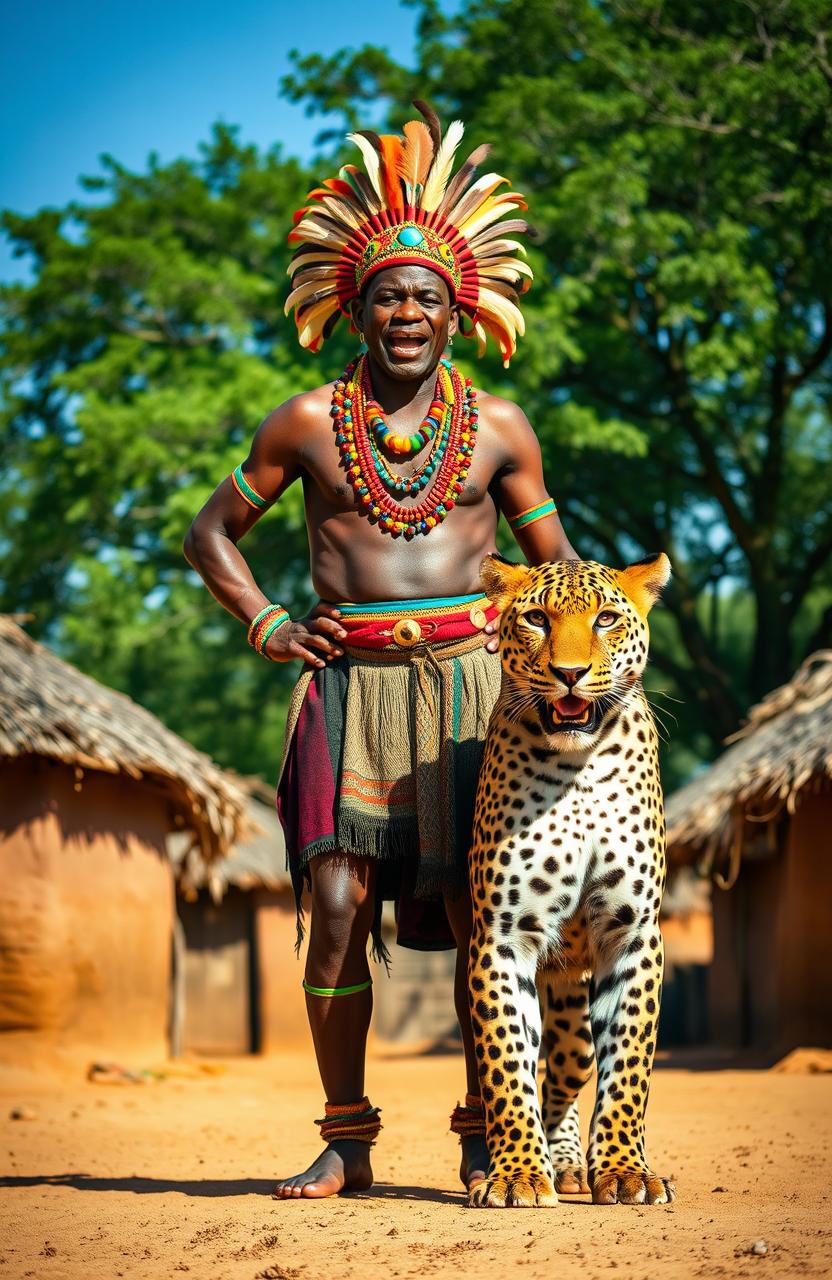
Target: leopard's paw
570 1180
632 1186
514 1191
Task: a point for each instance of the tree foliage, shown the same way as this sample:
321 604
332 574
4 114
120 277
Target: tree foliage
676 159
676 365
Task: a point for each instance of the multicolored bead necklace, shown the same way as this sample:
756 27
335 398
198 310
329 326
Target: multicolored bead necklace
389 438
454 437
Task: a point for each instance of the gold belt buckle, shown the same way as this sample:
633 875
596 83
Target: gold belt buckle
407 633
477 617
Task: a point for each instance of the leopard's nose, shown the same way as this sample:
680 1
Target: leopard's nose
569 675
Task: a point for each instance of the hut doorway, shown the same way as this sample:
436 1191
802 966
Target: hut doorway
220 1001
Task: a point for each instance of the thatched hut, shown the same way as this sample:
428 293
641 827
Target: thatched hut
90 786
759 820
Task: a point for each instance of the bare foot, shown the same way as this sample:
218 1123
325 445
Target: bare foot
474 1166
342 1166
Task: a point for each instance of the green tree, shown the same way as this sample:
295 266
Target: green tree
135 367
676 161
676 364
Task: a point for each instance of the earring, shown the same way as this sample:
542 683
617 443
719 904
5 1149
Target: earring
361 337
450 342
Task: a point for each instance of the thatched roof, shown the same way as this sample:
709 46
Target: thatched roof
48 708
785 748
256 861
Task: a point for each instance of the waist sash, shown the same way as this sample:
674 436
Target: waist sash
397 626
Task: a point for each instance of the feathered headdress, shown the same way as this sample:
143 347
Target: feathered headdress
406 208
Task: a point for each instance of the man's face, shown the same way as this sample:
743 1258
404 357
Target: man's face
407 317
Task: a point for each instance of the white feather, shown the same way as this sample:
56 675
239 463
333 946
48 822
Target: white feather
371 163
440 170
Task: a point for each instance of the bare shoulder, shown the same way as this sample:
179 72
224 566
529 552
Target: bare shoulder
506 425
289 426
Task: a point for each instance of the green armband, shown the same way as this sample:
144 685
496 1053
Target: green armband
247 490
538 512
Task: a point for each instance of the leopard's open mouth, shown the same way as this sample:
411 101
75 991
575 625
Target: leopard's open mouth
569 713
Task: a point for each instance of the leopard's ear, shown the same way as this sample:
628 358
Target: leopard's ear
502 579
644 581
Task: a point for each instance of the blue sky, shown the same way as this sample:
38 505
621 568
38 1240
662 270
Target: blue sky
82 77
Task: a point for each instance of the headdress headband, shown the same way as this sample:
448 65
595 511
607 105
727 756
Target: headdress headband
406 208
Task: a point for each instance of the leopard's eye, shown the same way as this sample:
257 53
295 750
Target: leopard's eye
536 618
607 618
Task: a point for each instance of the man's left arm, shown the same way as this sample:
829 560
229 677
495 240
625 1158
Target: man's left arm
522 496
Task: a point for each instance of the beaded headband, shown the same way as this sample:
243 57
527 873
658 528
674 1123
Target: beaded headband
407 209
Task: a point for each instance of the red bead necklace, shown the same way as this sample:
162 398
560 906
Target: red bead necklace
368 479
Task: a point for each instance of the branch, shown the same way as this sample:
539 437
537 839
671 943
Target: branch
816 560
822 350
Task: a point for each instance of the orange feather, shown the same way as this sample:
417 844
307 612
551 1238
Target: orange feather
416 158
391 159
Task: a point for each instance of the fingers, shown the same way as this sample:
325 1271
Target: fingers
296 641
296 650
491 646
321 642
325 626
324 610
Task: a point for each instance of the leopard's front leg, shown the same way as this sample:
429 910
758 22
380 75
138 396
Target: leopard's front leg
505 1014
624 1014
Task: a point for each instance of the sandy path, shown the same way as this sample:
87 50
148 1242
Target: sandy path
175 1178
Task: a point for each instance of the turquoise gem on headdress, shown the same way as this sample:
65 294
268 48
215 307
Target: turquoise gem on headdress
410 237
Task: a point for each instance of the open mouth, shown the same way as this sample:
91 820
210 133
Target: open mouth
569 713
404 346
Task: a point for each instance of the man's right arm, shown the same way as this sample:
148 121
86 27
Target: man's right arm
211 548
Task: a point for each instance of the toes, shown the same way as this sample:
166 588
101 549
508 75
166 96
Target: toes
632 1189
478 1197
571 1182
605 1190
659 1190
513 1193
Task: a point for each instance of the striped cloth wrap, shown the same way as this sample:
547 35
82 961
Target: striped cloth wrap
382 753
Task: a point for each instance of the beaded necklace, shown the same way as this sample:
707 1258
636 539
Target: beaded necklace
385 434
420 478
368 473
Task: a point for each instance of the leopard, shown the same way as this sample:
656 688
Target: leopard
567 871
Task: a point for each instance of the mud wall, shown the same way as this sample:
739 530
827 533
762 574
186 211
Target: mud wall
281 1004
768 984
86 913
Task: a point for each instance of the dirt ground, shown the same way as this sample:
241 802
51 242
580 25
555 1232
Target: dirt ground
174 1177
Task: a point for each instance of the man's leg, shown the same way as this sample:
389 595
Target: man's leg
342 916
474 1165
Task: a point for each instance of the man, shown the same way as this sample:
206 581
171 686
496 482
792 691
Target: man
404 471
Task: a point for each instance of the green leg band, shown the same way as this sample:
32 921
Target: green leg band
336 991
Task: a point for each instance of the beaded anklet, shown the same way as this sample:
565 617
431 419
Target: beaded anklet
469 1121
538 512
358 1121
265 624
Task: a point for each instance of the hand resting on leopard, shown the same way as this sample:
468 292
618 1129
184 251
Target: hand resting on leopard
567 874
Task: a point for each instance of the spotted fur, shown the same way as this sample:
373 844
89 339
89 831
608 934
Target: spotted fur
567 873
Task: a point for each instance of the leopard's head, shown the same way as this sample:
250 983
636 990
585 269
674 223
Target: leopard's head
573 640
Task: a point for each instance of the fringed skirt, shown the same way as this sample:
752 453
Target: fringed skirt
382 752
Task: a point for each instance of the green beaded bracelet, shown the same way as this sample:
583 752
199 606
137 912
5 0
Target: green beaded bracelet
264 624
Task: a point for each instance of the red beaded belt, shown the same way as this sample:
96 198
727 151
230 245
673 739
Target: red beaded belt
403 624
